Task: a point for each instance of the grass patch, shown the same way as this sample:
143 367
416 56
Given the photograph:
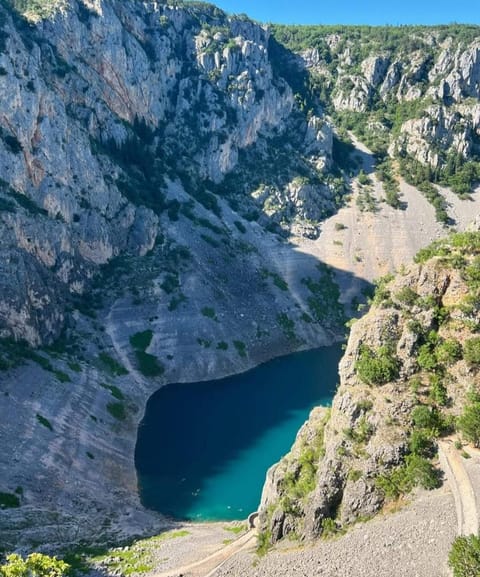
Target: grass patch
236 529
134 559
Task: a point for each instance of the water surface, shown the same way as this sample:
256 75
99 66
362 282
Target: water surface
203 448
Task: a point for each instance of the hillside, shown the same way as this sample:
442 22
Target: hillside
409 370
168 175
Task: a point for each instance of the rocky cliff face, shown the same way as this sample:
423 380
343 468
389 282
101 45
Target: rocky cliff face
133 137
102 105
406 371
414 92
154 158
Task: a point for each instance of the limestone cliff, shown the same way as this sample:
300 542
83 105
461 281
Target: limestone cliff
139 148
413 92
407 369
155 158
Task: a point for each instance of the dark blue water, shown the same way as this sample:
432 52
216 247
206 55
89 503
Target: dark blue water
203 449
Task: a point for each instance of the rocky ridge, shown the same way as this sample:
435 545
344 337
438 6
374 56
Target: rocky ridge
409 356
412 92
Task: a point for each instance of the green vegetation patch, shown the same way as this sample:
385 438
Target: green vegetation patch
44 421
136 558
149 365
114 367
9 501
141 340
377 367
464 556
209 312
117 410
241 348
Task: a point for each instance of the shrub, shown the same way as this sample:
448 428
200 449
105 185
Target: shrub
35 565
8 501
469 421
114 367
141 340
438 391
377 367
428 418
209 312
117 410
407 296
44 421
149 365
420 443
241 348
464 556
471 351
449 351
417 471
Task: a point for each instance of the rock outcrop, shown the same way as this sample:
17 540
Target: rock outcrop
409 357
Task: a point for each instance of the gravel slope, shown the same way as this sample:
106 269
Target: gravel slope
412 543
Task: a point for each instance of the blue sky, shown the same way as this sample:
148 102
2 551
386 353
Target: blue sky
356 12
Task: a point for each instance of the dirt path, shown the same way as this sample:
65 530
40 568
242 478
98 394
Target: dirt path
208 566
462 488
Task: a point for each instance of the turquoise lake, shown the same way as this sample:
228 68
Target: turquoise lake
203 449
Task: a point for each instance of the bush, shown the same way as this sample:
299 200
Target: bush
449 351
417 471
464 556
427 418
114 367
149 365
469 421
407 296
9 501
44 421
35 565
420 443
471 351
117 410
377 367
141 340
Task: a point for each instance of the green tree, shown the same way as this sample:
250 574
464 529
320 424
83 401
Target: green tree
377 367
469 421
35 565
464 556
